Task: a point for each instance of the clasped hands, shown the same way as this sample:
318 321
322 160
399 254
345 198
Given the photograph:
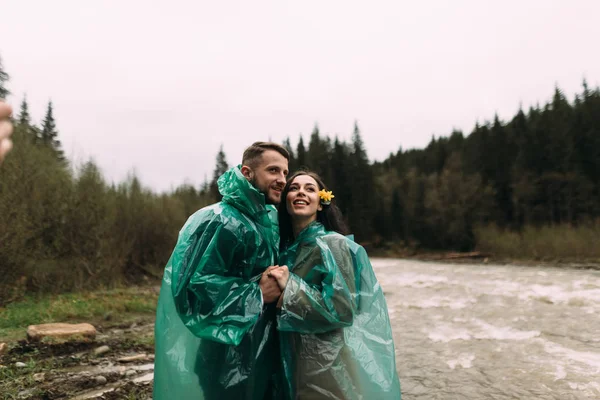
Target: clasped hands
273 281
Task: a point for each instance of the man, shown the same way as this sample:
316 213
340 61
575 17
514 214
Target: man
215 326
5 129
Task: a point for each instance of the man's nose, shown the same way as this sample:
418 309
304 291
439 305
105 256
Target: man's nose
281 178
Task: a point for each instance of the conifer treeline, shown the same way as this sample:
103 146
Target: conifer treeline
540 168
65 228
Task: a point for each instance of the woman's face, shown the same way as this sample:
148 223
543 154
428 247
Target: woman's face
302 200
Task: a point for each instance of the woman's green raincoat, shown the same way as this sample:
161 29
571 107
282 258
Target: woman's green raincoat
335 334
214 337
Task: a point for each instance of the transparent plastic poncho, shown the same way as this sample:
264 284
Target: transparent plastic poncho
215 339
334 328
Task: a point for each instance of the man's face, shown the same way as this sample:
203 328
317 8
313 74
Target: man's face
269 176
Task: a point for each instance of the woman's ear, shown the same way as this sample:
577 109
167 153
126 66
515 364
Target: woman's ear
247 172
320 207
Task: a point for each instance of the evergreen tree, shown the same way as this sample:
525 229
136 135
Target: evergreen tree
587 133
49 134
502 158
4 77
341 180
361 211
301 154
205 190
293 164
319 151
397 215
220 168
24 117
30 131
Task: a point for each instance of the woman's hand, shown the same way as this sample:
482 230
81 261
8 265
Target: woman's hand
281 275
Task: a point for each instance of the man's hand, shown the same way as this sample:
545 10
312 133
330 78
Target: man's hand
5 129
269 287
281 274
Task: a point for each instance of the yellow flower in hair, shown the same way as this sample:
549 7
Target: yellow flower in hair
326 196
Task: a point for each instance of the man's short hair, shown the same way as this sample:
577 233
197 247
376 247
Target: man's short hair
253 154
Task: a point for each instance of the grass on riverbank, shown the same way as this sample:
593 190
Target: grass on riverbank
550 243
103 305
563 244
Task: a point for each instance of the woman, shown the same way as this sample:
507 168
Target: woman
335 334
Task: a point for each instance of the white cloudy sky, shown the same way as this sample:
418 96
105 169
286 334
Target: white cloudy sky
158 86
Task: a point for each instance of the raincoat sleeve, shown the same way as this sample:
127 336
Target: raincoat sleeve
211 295
326 299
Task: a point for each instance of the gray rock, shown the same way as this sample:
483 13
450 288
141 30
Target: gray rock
41 377
25 393
19 364
137 357
101 350
100 380
130 372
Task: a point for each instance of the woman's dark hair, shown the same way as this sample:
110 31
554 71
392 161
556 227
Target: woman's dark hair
331 216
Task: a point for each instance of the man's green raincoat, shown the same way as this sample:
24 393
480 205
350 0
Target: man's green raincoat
335 334
214 337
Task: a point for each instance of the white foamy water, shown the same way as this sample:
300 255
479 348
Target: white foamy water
501 332
478 330
420 280
441 302
464 361
560 373
591 359
592 388
556 294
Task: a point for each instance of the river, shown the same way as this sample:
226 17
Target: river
466 331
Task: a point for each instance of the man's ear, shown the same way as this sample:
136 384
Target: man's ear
247 172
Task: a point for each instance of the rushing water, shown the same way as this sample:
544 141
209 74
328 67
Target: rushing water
493 332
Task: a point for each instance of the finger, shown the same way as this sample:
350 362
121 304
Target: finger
276 274
6 129
5 110
5 146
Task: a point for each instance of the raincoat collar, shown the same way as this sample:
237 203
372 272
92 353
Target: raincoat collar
239 193
310 233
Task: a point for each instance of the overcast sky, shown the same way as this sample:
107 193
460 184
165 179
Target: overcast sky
158 86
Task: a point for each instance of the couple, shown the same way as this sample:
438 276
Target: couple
264 304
